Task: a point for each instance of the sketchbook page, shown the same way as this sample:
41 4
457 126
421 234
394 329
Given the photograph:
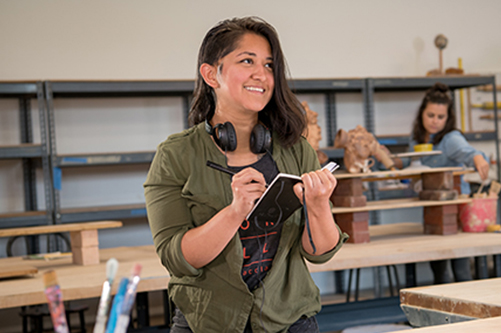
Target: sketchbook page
277 203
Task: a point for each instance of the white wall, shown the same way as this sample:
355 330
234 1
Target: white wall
158 39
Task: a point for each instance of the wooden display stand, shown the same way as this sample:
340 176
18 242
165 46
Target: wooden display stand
84 240
439 220
349 193
439 200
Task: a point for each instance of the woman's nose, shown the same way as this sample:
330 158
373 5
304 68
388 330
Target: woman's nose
259 72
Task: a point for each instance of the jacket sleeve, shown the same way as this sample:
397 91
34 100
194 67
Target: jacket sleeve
168 214
458 149
343 237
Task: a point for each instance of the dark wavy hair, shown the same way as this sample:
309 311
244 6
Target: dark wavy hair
438 94
284 113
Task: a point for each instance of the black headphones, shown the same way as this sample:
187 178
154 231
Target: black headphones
225 137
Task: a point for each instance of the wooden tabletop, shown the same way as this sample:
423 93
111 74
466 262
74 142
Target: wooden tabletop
399 204
390 244
478 299
80 282
403 243
393 174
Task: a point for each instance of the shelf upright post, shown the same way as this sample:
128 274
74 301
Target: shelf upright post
29 168
47 175
51 134
331 117
187 99
368 94
373 192
369 125
496 126
54 243
29 174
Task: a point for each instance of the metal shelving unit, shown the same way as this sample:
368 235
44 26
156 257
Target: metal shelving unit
100 89
124 89
30 153
53 163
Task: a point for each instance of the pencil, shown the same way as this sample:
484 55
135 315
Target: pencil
220 168
225 170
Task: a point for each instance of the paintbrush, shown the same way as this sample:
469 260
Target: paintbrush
117 305
128 302
55 300
104 302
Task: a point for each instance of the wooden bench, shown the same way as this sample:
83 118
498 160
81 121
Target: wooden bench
84 240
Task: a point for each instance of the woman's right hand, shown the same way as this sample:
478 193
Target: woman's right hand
247 186
482 166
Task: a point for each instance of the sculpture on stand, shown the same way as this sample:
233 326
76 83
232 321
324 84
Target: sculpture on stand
313 132
441 43
359 145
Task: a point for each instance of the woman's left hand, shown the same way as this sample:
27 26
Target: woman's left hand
482 166
318 186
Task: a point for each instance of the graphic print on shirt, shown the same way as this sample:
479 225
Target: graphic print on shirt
260 238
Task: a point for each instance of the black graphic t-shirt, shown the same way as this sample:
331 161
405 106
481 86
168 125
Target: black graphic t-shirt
259 240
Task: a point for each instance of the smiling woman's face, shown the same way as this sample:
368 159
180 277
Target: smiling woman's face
245 75
434 117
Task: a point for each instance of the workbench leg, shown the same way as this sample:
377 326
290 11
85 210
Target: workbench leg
410 275
143 313
461 268
339 281
497 265
481 267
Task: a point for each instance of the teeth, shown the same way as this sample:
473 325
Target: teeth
255 89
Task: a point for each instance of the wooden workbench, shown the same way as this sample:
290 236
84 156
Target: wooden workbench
454 302
403 243
81 282
391 244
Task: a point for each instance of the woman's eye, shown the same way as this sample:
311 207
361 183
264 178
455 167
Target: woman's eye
247 61
269 65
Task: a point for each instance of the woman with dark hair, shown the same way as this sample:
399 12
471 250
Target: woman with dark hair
227 274
436 123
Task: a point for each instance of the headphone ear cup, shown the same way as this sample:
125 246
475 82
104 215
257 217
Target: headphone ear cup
260 140
225 136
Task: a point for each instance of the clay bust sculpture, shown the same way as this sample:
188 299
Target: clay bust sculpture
359 145
313 132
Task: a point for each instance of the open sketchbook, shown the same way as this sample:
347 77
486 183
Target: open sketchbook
279 201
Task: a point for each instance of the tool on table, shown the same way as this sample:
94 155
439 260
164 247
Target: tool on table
104 302
55 300
128 302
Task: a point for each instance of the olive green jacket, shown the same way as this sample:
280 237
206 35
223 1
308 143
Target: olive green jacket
183 193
